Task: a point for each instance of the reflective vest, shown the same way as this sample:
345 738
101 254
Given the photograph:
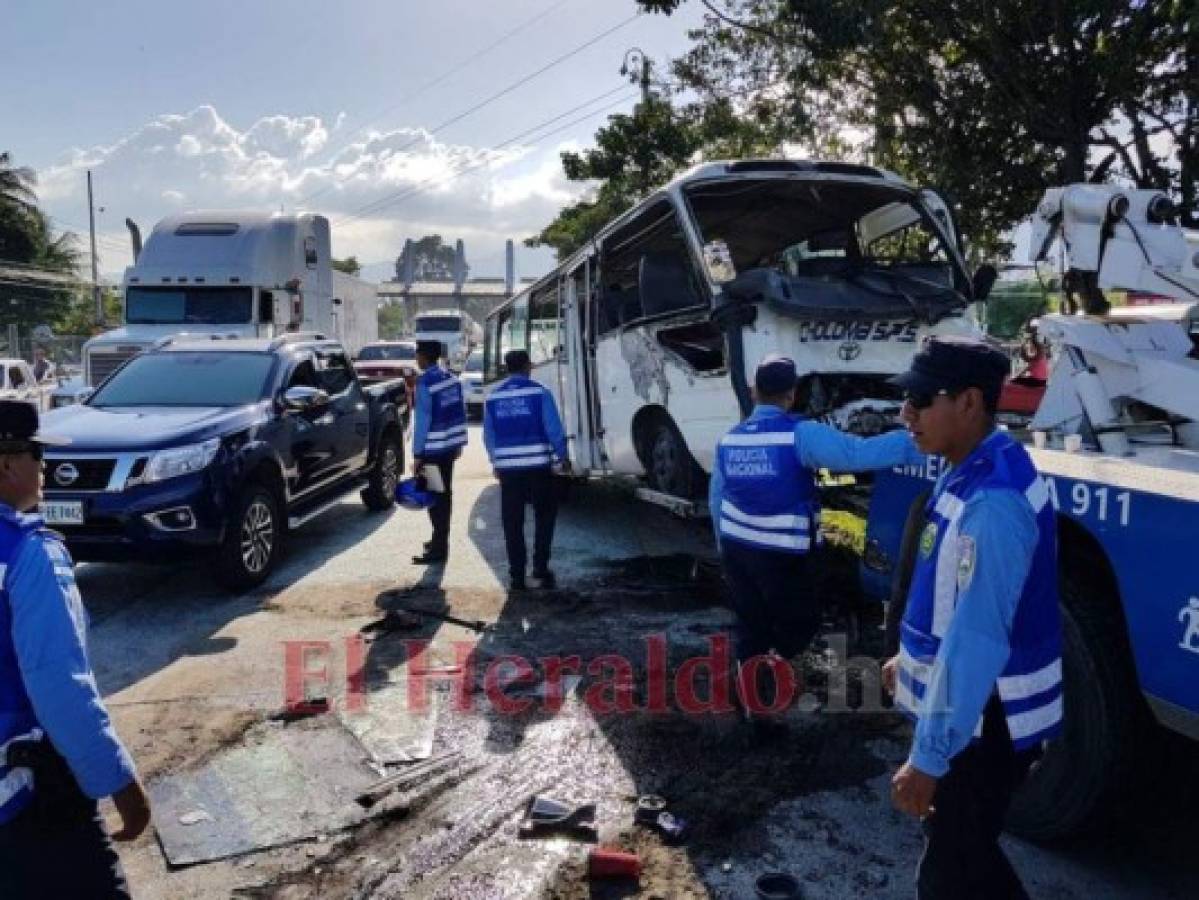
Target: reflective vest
447 413
514 414
17 720
1030 686
769 499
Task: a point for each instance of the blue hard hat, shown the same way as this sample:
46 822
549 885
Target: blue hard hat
410 496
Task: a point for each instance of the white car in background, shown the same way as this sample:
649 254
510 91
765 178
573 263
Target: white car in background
472 384
18 383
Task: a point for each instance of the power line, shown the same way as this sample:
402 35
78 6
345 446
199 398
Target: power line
449 73
403 194
520 82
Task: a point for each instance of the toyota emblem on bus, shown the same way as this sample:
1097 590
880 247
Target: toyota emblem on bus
849 351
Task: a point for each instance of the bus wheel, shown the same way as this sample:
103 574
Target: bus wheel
672 470
1081 780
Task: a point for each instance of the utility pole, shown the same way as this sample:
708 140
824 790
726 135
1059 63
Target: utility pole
97 296
635 58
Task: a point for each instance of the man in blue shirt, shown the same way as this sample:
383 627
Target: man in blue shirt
58 749
523 435
766 513
979 665
438 436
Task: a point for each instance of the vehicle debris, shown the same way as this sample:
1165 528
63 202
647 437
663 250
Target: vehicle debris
380 789
545 815
652 813
604 862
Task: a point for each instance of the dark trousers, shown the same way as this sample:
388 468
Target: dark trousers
439 512
517 489
772 596
962 856
71 859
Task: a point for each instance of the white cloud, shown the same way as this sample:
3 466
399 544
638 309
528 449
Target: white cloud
377 191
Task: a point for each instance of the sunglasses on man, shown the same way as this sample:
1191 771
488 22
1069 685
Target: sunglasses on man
14 448
919 400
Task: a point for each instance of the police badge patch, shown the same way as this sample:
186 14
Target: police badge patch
966 557
928 539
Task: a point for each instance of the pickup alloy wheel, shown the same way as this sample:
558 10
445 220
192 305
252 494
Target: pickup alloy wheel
379 493
252 540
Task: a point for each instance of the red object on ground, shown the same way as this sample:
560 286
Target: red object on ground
605 863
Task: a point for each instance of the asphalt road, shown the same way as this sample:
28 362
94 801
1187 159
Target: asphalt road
190 672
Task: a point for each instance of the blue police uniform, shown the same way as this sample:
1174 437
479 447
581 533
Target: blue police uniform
980 658
523 435
766 515
439 434
47 689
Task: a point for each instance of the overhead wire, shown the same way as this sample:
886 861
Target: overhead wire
436 181
487 101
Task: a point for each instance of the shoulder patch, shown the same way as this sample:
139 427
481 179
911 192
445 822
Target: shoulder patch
967 553
928 539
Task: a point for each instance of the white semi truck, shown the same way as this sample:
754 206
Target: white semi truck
232 274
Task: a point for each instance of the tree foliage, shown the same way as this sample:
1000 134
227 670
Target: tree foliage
349 265
432 260
990 100
29 247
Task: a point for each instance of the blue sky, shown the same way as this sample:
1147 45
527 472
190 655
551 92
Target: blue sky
264 103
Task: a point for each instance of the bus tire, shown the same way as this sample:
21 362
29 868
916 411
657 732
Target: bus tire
1084 775
670 467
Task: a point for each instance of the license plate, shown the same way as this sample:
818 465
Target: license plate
62 512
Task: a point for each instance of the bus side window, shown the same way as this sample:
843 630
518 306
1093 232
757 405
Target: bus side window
543 324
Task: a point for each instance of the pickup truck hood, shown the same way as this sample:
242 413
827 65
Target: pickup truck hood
124 429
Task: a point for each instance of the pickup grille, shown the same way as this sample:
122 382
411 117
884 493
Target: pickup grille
102 363
92 474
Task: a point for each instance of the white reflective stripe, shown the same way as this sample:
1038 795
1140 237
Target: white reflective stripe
911 664
3 570
12 783
779 521
1037 494
905 699
767 538
978 729
1027 723
518 392
455 429
33 734
448 442
523 450
522 462
950 506
442 385
945 579
1017 687
765 439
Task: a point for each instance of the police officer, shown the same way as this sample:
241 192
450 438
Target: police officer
979 665
766 512
58 749
439 434
523 435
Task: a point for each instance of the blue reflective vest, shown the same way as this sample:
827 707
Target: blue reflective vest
1030 686
515 416
447 414
769 499
17 719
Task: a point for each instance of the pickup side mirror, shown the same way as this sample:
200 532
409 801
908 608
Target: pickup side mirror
301 398
983 281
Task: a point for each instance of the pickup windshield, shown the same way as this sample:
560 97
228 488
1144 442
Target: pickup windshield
188 305
187 379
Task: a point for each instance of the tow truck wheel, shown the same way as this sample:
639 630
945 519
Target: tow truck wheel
1082 777
671 469
379 494
251 539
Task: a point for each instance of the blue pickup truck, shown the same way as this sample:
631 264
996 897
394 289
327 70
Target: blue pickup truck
220 446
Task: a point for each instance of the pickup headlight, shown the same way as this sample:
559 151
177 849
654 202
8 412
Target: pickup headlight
181 460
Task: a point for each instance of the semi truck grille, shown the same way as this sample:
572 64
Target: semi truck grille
66 474
102 363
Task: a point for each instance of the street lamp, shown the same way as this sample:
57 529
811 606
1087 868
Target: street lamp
634 59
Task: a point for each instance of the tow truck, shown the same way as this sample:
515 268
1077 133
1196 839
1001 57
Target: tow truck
1116 439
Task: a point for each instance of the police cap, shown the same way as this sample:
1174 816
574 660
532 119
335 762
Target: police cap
954 364
19 424
775 375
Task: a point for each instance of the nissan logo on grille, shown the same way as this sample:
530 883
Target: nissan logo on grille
66 474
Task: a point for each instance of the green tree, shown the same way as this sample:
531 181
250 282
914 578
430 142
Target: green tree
349 265
990 100
432 260
632 154
391 320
